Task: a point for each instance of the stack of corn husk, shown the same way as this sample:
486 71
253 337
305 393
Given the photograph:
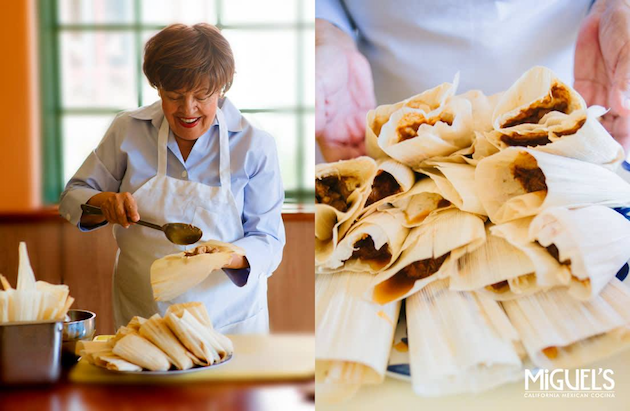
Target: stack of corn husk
492 217
184 338
32 300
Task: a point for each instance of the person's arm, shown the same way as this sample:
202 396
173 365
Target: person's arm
97 182
264 235
602 64
344 93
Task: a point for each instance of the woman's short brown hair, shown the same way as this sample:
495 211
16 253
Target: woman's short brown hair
180 57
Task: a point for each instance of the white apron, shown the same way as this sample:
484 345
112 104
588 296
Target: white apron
164 199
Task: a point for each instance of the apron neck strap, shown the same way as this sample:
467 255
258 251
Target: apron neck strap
224 150
162 147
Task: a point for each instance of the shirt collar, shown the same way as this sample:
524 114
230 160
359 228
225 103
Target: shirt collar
153 112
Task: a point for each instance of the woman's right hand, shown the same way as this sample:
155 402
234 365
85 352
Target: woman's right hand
118 208
344 93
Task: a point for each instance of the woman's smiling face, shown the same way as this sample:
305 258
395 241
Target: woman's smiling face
189 113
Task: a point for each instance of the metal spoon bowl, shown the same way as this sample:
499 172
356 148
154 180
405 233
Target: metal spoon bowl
176 233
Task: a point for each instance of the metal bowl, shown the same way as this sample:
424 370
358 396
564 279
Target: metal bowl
79 325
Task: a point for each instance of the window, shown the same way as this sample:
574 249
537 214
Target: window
91 68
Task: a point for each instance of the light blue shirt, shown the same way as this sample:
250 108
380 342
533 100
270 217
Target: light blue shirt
126 158
414 45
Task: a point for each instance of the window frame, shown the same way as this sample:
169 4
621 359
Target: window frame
52 110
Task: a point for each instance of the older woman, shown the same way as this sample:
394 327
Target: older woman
192 158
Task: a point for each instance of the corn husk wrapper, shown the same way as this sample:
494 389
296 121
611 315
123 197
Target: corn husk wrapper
385 230
200 340
331 224
494 262
155 330
173 275
482 108
457 183
440 139
594 241
114 362
26 277
573 333
136 322
549 272
424 199
122 332
32 300
570 183
199 311
578 135
533 90
138 350
459 342
105 358
482 148
428 101
444 232
345 357
84 348
6 305
403 175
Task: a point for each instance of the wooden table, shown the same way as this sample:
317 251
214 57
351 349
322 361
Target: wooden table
65 395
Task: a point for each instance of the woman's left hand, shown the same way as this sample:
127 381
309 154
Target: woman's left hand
237 262
602 64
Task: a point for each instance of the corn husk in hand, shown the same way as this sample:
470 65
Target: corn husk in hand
173 275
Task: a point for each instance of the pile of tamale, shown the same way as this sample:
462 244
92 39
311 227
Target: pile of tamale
184 338
32 300
493 218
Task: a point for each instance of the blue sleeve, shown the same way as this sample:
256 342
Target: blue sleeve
101 171
264 235
334 12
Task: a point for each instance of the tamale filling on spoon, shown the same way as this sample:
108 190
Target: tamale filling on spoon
384 185
334 191
201 250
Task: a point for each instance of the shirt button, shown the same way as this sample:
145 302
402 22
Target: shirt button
184 174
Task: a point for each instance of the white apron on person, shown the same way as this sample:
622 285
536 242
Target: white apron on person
163 199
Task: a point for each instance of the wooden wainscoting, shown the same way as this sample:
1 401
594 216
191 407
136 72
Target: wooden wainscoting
60 253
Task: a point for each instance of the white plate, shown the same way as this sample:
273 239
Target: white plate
174 372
